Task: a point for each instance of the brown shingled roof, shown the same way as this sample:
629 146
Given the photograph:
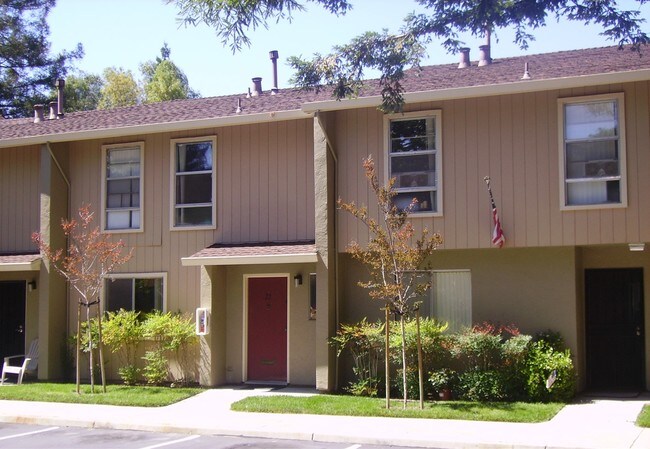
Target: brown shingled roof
549 66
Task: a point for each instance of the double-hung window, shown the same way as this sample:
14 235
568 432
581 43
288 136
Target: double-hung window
414 160
141 293
122 186
193 182
592 142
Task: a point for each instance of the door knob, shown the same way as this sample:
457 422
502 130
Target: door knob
20 329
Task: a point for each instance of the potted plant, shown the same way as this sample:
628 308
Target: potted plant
444 381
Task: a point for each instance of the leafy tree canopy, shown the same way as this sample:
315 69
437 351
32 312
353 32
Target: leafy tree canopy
27 69
164 80
343 69
119 90
82 92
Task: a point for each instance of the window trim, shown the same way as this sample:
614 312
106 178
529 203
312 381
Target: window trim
436 114
172 183
104 191
619 97
154 275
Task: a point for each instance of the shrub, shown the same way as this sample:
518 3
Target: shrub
122 333
170 333
435 353
482 386
542 362
365 341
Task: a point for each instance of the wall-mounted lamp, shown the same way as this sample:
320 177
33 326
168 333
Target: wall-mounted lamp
31 286
637 246
297 280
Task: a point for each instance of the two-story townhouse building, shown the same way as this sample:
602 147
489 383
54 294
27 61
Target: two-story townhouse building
229 204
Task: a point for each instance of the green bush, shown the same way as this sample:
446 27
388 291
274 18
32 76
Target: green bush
365 342
155 369
482 386
122 333
435 354
543 361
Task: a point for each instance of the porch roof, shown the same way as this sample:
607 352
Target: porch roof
254 254
20 262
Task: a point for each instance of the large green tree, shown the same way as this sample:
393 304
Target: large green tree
390 54
82 92
120 89
27 69
163 80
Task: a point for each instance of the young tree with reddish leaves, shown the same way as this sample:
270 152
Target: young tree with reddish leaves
90 257
395 259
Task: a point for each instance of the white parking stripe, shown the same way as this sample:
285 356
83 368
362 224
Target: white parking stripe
191 437
354 446
18 435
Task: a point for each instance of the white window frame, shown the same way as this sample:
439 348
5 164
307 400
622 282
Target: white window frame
622 177
155 275
213 204
104 190
437 189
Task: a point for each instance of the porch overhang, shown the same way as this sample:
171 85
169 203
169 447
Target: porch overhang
20 262
254 254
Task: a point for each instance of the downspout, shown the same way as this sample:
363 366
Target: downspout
69 200
330 147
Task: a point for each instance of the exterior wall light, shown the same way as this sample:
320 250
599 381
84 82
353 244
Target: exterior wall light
297 280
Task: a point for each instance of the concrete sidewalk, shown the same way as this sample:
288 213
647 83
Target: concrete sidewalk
589 423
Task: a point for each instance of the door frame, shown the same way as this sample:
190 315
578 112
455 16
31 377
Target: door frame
246 277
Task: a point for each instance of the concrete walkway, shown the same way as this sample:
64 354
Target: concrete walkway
606 423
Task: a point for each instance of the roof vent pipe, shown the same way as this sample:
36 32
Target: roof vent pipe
484 55
38 113
60 84
464 58
53 109
257 87
273 55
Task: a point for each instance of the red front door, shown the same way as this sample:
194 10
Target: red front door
267 329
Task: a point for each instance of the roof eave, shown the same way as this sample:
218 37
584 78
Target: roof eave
250 260
104 133
522 86
34 265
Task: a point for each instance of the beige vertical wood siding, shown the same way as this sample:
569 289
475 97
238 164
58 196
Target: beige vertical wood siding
265 192
19 198
514 140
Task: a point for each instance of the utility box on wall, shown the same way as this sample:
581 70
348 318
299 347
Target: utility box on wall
202 321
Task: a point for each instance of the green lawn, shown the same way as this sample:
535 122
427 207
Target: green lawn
138 396
643 420
360 406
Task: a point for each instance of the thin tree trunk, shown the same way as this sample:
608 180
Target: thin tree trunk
420 373
404 383
387 350
100 345
78 357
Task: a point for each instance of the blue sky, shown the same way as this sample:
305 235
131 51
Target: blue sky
125 33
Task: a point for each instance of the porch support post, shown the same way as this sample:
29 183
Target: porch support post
52 290
324 178
212 347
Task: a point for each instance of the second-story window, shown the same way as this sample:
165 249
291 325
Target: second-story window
193 182
122 187
414 160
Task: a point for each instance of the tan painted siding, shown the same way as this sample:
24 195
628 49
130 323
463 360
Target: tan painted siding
514 140
19 198
264 193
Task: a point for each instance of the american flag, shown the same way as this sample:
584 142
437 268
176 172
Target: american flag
498 237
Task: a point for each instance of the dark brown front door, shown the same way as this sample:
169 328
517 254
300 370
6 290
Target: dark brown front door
12 318
614 325
267 329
